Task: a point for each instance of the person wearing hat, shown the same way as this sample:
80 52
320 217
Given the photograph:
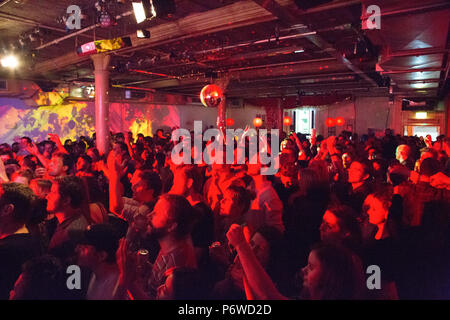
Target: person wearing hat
97 252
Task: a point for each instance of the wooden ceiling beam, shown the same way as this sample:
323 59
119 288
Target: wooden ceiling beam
238 14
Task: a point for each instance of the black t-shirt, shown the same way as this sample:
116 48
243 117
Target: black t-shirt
15 250
203 231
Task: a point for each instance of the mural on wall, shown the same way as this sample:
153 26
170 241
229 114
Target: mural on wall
68 120
73 119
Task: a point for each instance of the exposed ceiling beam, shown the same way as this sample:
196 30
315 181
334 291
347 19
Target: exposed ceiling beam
8 16
238 14
289 19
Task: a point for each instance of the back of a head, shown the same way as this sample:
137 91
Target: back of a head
193 172
341 273
242 196
181 212
43 279
309 181
44 184
152 180
398 174
348 222
430 167
72 187
21 197
103 237
384 194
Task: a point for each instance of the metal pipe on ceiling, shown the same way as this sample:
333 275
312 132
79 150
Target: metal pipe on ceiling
56 41
5 3
412 70
248 43
27 21
272 38
434 6
282 64
416 52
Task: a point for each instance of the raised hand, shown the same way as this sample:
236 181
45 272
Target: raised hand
114 163
235 235
126 261
3 175
55 138
33 149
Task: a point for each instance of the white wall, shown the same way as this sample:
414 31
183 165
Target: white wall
363 113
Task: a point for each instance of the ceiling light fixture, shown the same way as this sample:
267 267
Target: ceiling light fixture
143 34
10 62
143 10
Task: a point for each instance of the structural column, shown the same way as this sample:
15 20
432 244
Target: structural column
101 63
222 109
447 114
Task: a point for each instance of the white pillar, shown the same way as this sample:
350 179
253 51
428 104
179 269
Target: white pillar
101 63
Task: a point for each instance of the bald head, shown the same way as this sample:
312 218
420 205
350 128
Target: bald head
403 152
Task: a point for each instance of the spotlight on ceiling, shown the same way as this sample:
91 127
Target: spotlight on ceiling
149 9
10 62
143 10
143 33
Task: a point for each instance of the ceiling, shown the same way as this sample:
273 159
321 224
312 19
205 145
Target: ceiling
263 47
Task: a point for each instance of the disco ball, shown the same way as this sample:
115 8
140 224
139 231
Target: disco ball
211 95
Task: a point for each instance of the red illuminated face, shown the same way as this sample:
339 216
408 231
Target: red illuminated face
82 165
228 205
160 218
54 200
346 160
375 210
312 273
329 229
180 183
356 173
56 167
139 187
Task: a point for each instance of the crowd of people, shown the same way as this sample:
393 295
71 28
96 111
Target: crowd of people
140 226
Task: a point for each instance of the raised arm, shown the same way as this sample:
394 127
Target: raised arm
129 285
3 176
258 281
114 170
33 149
55 138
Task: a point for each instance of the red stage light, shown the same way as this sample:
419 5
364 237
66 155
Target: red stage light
287 121
257 122
211 95
340 121
330 122
230 122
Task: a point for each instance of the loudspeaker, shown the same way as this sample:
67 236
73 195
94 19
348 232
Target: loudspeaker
308 4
